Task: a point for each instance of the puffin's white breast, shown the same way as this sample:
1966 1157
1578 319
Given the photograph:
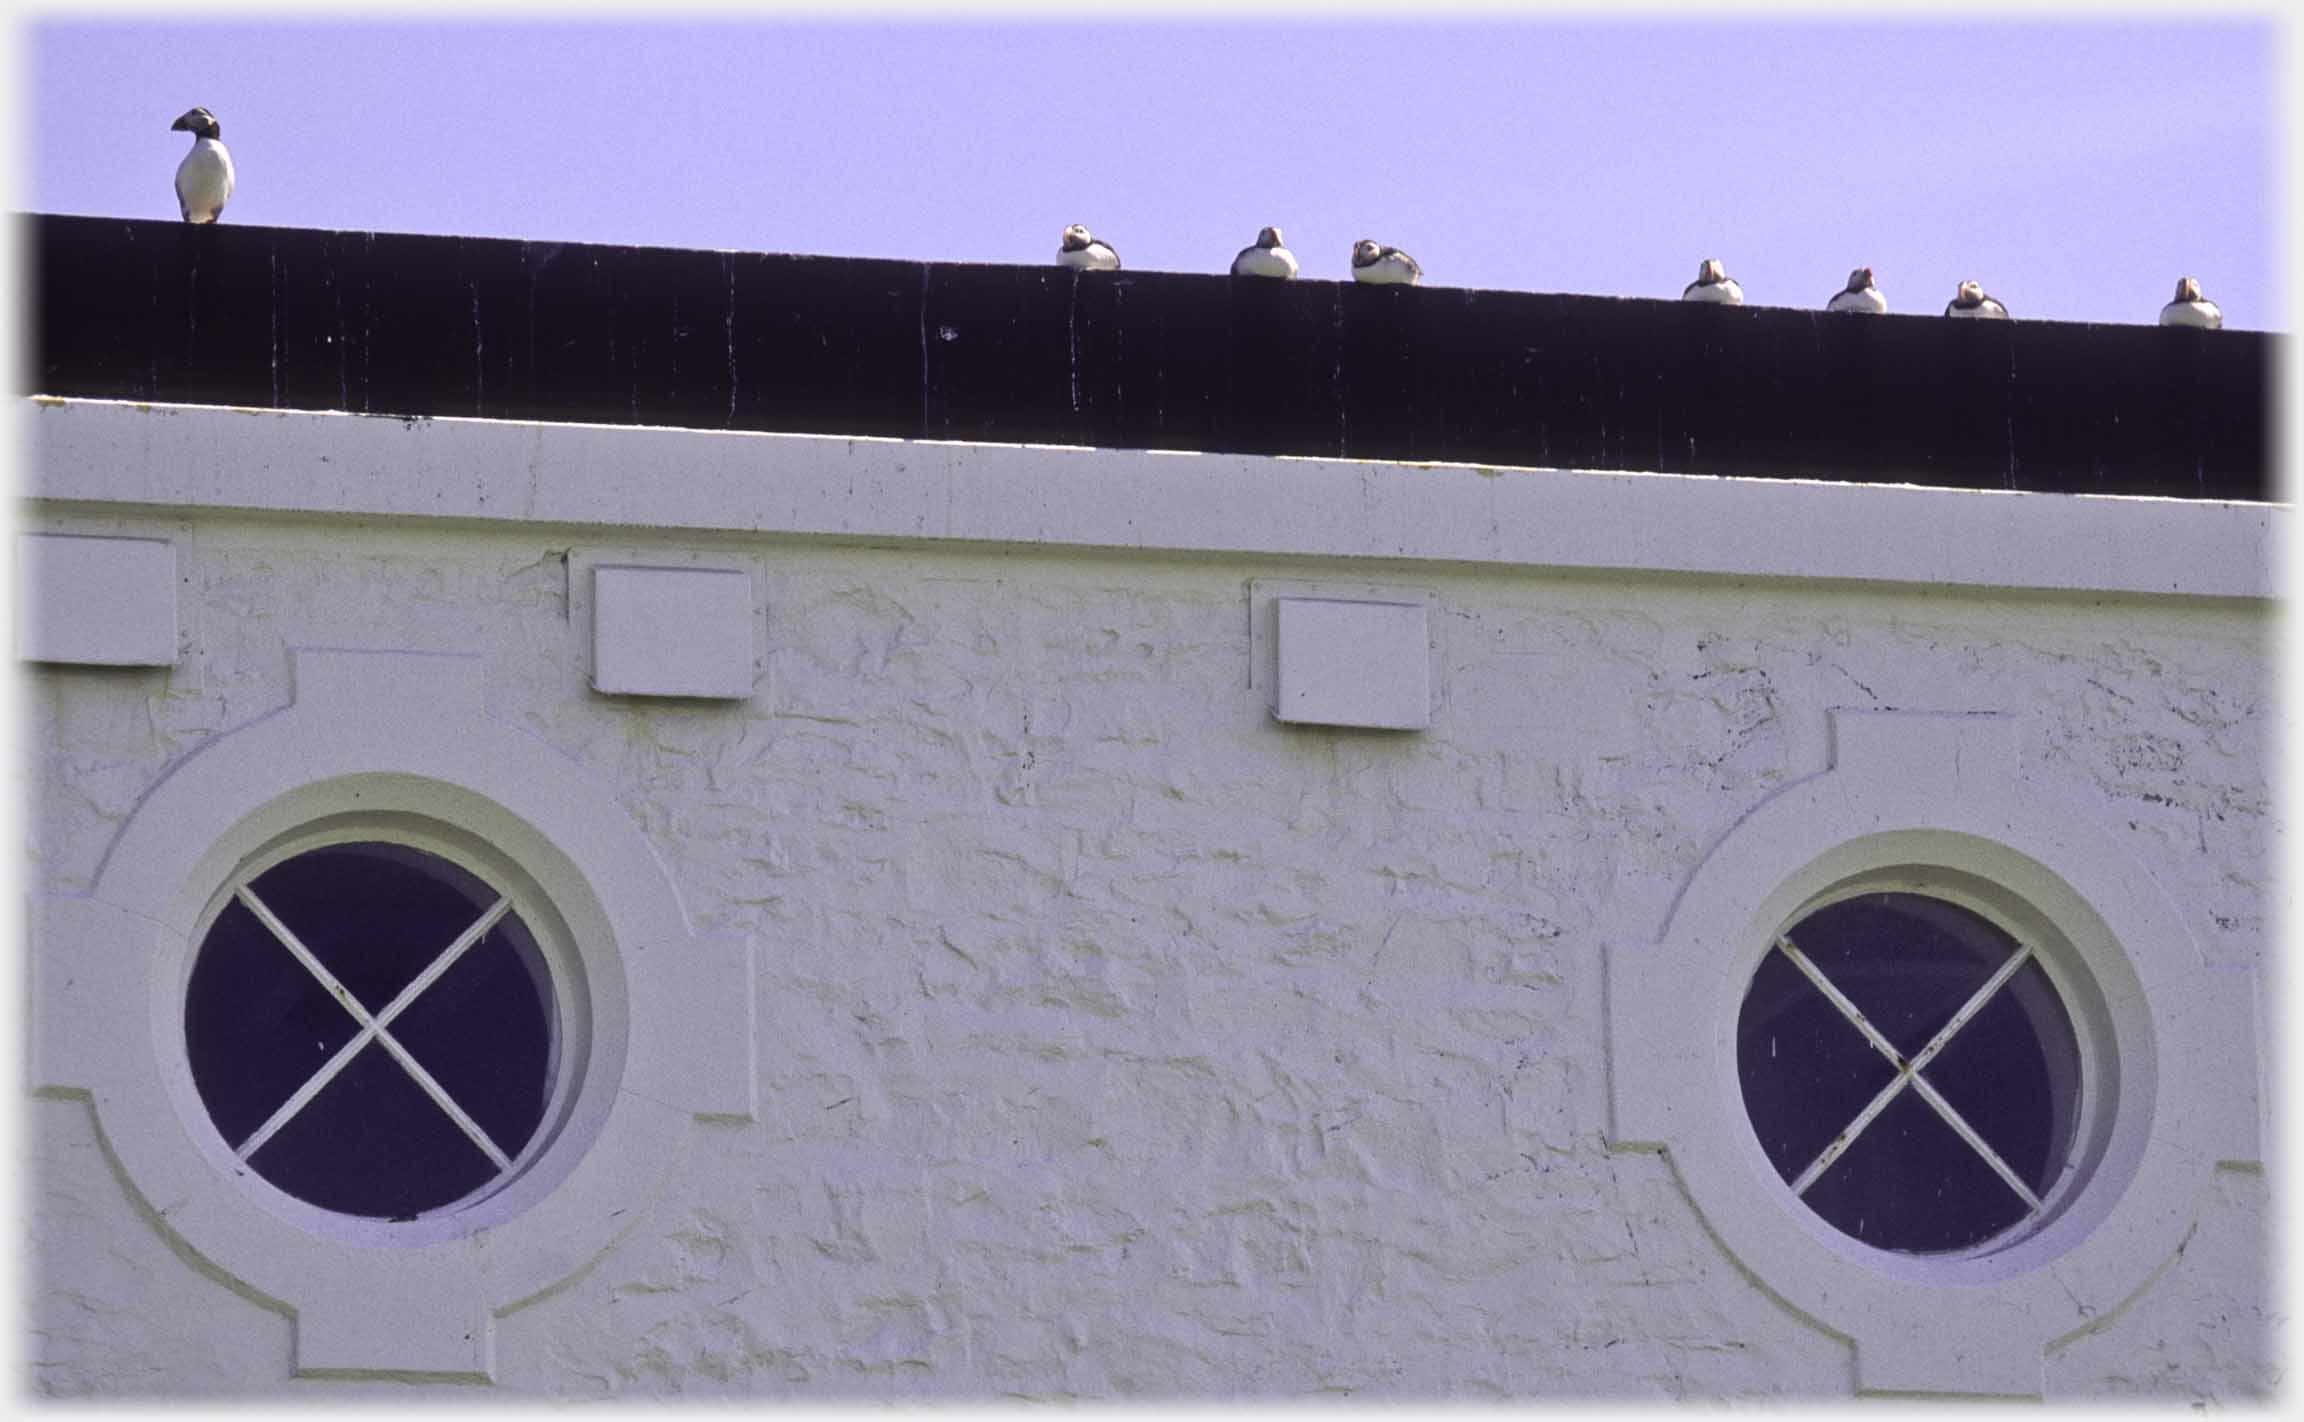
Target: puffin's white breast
1724 292
1869 301
2204 314
1265 262
1391 269
1095 257
204 180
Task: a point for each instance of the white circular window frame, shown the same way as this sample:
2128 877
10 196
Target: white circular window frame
392 740
1922 862
1936 804
564 1130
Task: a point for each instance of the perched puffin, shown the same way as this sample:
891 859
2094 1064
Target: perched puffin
204 178
1266 259
1383 266
1082 252
1859 295
1713 284
2190 308
1972 302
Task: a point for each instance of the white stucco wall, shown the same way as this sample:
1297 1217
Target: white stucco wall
1114 1039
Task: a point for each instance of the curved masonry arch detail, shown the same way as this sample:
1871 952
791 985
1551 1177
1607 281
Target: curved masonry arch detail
1930 797
400 735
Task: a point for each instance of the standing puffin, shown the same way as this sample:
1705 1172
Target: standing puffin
1713 284
1859 295
1084 253
1379 265
1972 302
1266 259
2190 308
204 178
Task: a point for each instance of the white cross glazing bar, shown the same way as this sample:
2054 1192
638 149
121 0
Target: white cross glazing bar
444 1101
1850 1132
1839 999
372 1029
1908 1071
1967 1133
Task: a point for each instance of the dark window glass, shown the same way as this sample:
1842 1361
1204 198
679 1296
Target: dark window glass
1907 1179
1806 1070
372 1143
1907 962
255 1020
371 1139
1909 1183
487 1010
2013 1074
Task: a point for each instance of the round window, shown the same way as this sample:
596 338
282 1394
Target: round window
1911 1073
373 1029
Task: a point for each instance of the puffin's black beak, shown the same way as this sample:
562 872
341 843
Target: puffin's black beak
182 125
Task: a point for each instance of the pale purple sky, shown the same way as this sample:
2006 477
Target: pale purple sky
2076 169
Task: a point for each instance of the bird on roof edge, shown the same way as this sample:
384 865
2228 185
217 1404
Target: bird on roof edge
2190 308
1379 265
1082 252
1713 284
204 178
1859 295
1970 301
1268 258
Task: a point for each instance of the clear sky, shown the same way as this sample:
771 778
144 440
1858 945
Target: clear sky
2076 168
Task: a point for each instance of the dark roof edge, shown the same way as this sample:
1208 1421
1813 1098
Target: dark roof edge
401 324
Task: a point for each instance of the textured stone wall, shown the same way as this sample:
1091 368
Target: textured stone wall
1117 1041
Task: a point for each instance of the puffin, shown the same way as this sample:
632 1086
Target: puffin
1859 295
1379 265
1713 284
204 178
2190 308
1084 253
1972 302
1266 259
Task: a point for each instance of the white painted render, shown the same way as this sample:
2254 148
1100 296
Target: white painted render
1050 497
1106 1036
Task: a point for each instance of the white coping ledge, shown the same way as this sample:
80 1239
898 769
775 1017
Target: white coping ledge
377 466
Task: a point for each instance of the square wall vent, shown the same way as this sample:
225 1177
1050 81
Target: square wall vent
1332 656
95 601
673 632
